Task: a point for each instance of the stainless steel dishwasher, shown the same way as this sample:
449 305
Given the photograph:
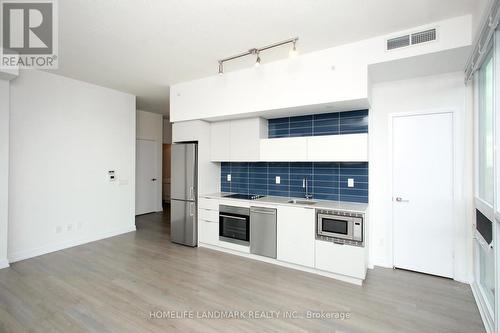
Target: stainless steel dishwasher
263 231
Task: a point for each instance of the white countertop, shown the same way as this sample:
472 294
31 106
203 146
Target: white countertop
320 204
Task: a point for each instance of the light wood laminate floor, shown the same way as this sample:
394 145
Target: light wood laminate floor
114 285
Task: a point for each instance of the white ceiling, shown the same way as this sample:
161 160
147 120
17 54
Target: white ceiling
144 46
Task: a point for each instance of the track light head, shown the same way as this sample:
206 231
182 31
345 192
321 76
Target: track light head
293 51
257 61
221 68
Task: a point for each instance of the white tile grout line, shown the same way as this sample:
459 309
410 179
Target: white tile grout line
312 125
289 178
267 182
338 172
312 180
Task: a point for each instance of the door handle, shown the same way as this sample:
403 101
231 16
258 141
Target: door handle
191 205
191 194
399 199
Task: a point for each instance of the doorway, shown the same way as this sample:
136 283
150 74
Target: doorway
146 179
422 192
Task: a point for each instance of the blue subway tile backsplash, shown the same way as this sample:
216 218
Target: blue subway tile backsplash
348 122
327 180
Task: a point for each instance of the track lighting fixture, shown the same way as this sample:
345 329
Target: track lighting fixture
293 51
256 51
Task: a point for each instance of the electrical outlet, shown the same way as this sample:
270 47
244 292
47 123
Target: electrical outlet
229 177
69 227
278 180
58 229
350 182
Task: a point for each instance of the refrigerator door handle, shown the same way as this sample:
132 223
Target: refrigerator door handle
191 206
191 193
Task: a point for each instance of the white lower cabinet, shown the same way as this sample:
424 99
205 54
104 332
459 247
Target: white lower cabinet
296 235
208 203
296 239
341 259
208 232
208 221
208 215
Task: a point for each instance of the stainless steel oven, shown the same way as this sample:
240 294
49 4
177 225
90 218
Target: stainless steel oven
340 226
234 224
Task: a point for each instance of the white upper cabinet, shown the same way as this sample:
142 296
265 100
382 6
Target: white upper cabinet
237 140
220 145
333 148
245 139
283 149
338 148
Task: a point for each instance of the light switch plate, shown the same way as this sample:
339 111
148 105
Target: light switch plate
278 180
350 182
229 178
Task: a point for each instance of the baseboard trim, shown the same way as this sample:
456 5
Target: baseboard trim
340 277
483 309
4 263
31 253
462 280
380 262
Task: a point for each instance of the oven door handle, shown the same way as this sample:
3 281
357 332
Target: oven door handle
234 217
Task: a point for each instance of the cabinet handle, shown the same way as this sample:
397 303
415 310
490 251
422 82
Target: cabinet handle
263 211
233 217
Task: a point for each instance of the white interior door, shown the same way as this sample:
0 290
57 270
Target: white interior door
423 193
146 177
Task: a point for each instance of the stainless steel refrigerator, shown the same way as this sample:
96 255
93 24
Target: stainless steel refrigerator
184 186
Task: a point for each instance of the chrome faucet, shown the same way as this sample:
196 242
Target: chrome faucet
305 185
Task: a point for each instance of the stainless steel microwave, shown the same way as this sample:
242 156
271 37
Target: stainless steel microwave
340 226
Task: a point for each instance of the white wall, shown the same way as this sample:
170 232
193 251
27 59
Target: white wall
309 79
149 126
167 131
448 92
4 169
65 135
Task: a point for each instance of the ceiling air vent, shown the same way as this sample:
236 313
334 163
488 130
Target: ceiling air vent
398 42
413 39
423 36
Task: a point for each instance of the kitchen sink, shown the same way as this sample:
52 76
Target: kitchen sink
302 202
